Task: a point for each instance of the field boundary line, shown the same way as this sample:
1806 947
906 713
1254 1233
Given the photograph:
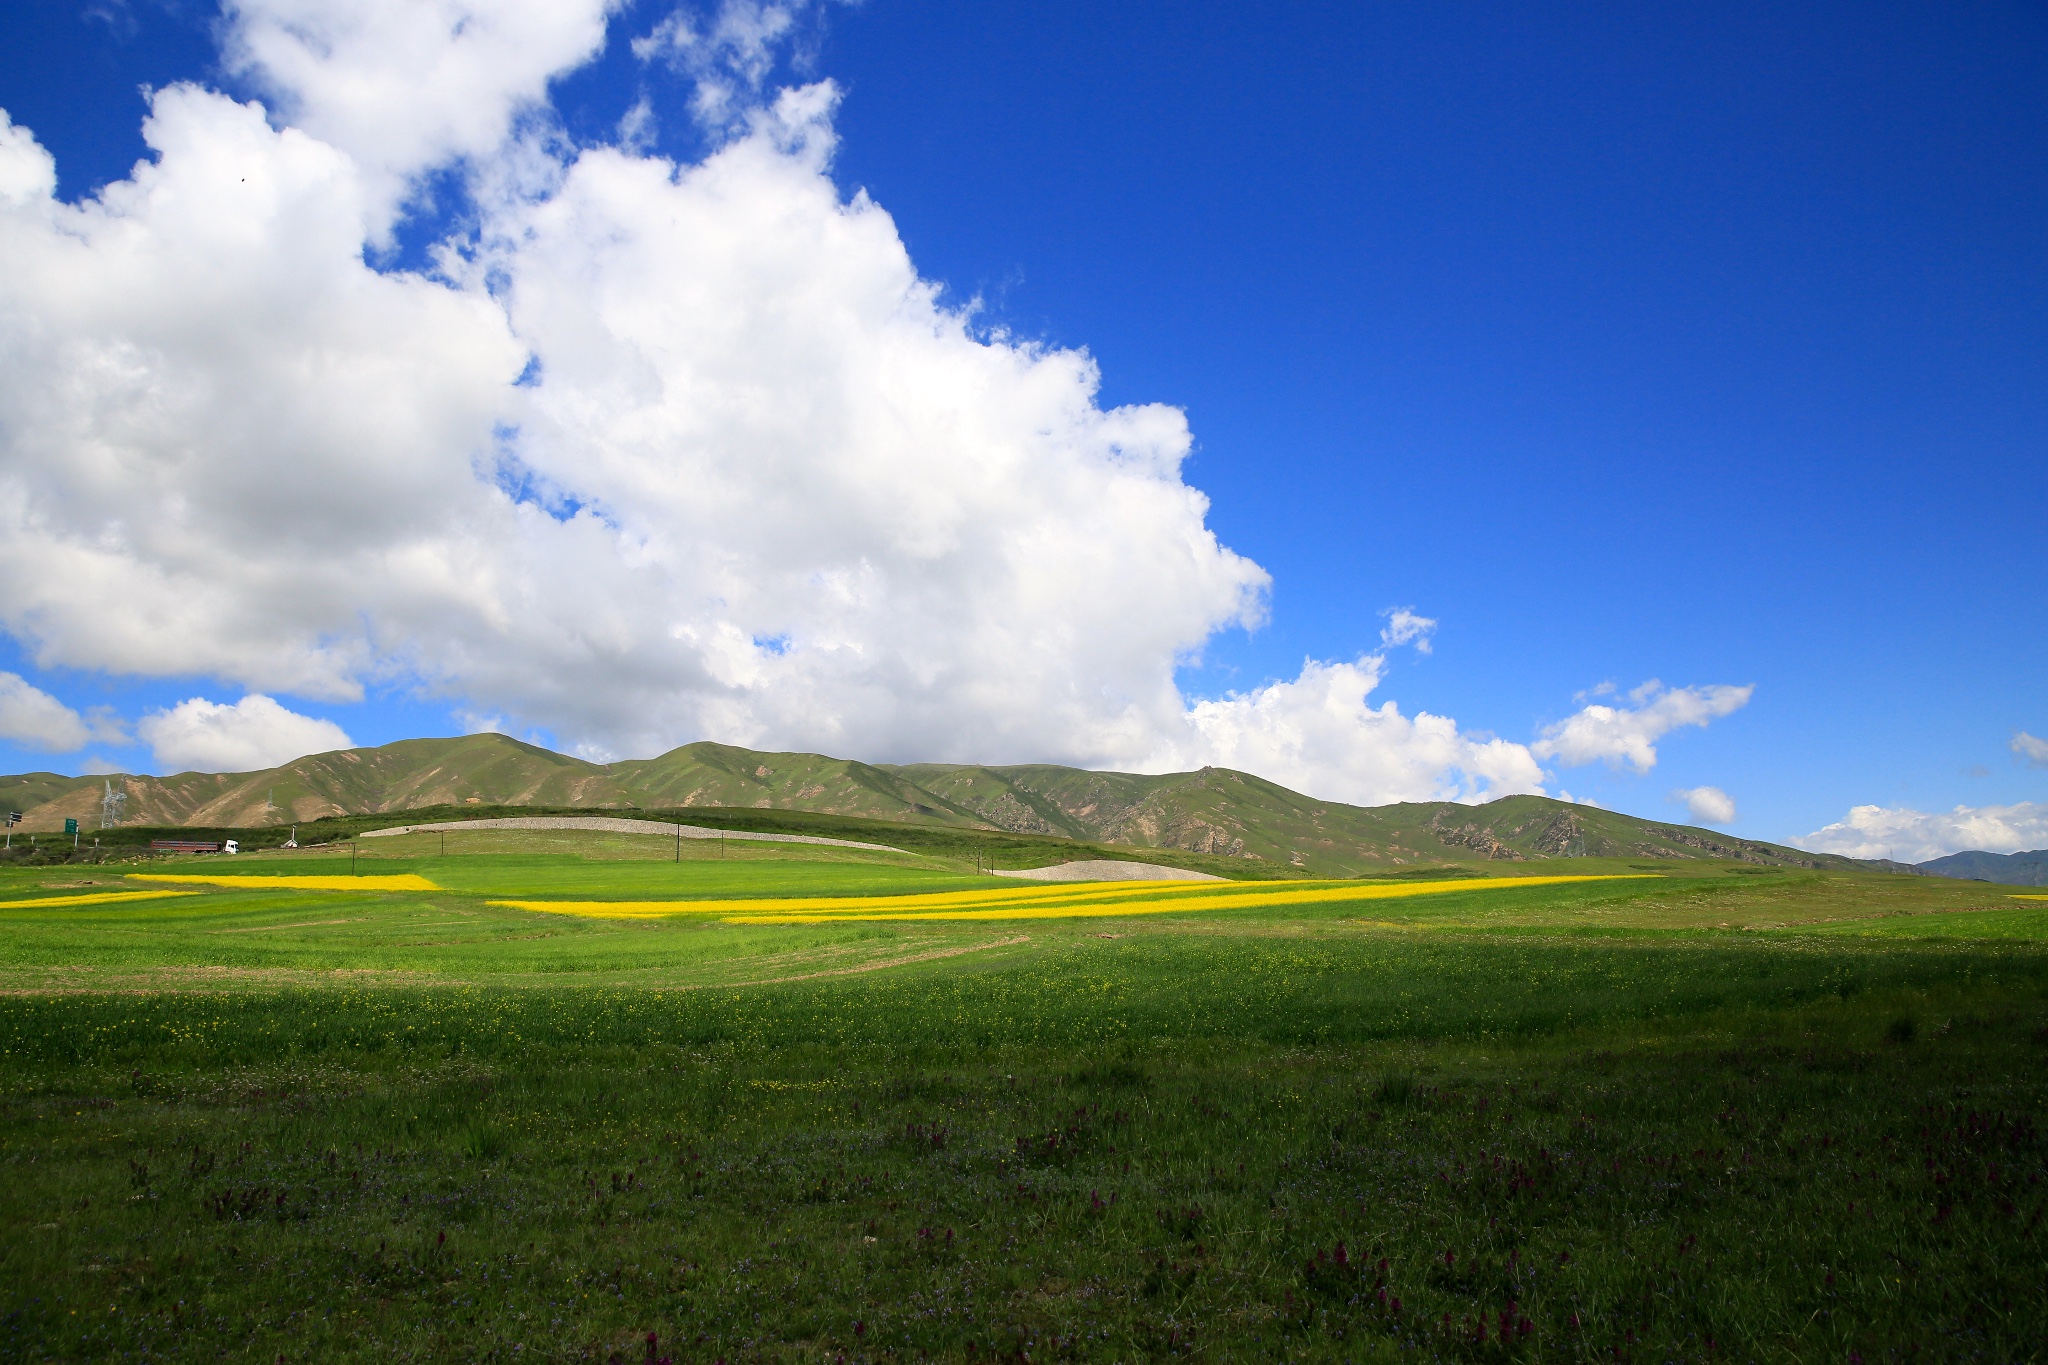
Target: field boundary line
1071 900
95 898
606 824
1157 903
402 881
933 956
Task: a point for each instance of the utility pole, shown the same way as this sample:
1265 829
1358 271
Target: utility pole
351 860
679 843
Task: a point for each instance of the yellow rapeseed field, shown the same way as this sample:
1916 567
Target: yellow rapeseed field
1073 901
94 898
401 882
928 900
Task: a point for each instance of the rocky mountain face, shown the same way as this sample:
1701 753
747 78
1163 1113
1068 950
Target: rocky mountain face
1215 810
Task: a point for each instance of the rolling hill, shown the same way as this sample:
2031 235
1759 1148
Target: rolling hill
2013 869
1215 811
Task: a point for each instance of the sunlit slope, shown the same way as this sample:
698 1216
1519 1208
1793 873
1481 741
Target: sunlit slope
31 792
475 769
1215 811
700 775
2011 869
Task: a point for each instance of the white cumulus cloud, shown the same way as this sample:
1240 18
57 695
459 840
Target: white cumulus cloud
33 718
1404 627
227 446
657 452
403 86
765 488
1328 740
1914 836
198 735
1707 805
729 54
2031 748
1628 735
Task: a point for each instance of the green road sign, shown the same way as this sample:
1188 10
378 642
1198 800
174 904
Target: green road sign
71 827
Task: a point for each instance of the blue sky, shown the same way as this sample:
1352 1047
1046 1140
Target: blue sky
1702 344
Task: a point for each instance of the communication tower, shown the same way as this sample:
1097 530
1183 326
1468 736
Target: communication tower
111 803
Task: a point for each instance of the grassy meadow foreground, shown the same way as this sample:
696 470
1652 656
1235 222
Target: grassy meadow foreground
564 1097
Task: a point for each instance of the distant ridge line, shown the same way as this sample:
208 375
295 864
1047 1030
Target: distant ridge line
1235 818
610 825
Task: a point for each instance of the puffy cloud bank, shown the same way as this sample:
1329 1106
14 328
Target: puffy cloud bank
1914 836
1321 732
400 86
656 452
1626 736
34 719
256 732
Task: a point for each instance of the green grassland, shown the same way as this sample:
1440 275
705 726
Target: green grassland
1714 1112
928 845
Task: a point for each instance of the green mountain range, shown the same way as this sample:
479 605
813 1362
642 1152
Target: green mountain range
1214 811
2013 869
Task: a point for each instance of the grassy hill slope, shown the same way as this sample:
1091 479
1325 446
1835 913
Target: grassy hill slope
1215 812
476 769
2013 869
707 774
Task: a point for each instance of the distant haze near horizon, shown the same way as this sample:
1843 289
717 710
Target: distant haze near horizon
1396 406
